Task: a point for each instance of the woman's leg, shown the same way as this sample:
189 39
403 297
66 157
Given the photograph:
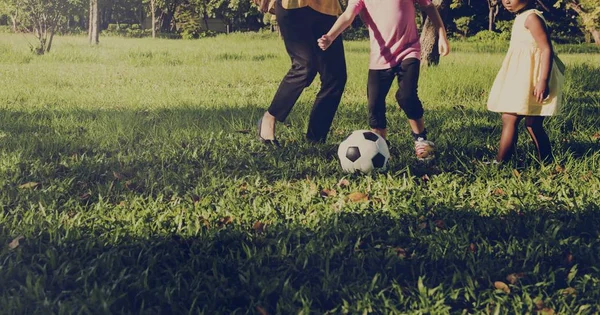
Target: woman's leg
508 139
331 65
299 43
535 128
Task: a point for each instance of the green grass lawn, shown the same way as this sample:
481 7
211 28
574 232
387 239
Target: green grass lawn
131 181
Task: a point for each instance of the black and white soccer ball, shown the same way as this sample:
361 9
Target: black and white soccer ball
363 151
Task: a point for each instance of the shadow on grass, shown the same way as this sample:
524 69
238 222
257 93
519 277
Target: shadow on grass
181 146
350 258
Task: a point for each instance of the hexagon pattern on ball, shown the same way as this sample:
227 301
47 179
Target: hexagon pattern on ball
363 151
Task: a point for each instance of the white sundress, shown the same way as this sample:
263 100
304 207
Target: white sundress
512 91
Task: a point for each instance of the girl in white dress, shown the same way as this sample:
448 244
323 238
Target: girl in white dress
529 84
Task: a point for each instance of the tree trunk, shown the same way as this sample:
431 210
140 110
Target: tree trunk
494 9
596 36
543 5
205 18
430 54
95 23
153 9
81 22
13 18
166 22
107 16
141 16
50 41
167 17
91 21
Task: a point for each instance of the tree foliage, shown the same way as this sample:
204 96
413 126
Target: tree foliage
570 19
588 12
43 17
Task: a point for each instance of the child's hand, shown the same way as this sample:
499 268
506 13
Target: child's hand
541 91
444 46
324 42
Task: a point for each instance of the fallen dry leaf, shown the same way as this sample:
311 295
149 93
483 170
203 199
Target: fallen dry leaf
85 196
204 221
569 291
513 278
400 252
499 192
261 310
587 176
539 304
569 259
15 243
29 185
596 136
559 168
358 197
502 286
440 224
472 248
224 221
117 175
259 227
343 183
516 173
425 178
328 193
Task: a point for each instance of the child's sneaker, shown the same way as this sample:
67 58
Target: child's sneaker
424 149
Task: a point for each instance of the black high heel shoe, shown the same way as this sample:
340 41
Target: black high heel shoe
273 142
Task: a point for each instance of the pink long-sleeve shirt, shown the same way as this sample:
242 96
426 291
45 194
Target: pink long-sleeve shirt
392 30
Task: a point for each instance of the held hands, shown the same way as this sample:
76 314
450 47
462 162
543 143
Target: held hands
541 91
324 42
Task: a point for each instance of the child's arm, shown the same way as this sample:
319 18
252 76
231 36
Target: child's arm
340 25
537 27
434 16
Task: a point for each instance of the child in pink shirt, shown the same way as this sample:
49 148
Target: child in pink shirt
395 53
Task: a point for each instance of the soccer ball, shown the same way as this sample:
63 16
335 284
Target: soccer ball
363 151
